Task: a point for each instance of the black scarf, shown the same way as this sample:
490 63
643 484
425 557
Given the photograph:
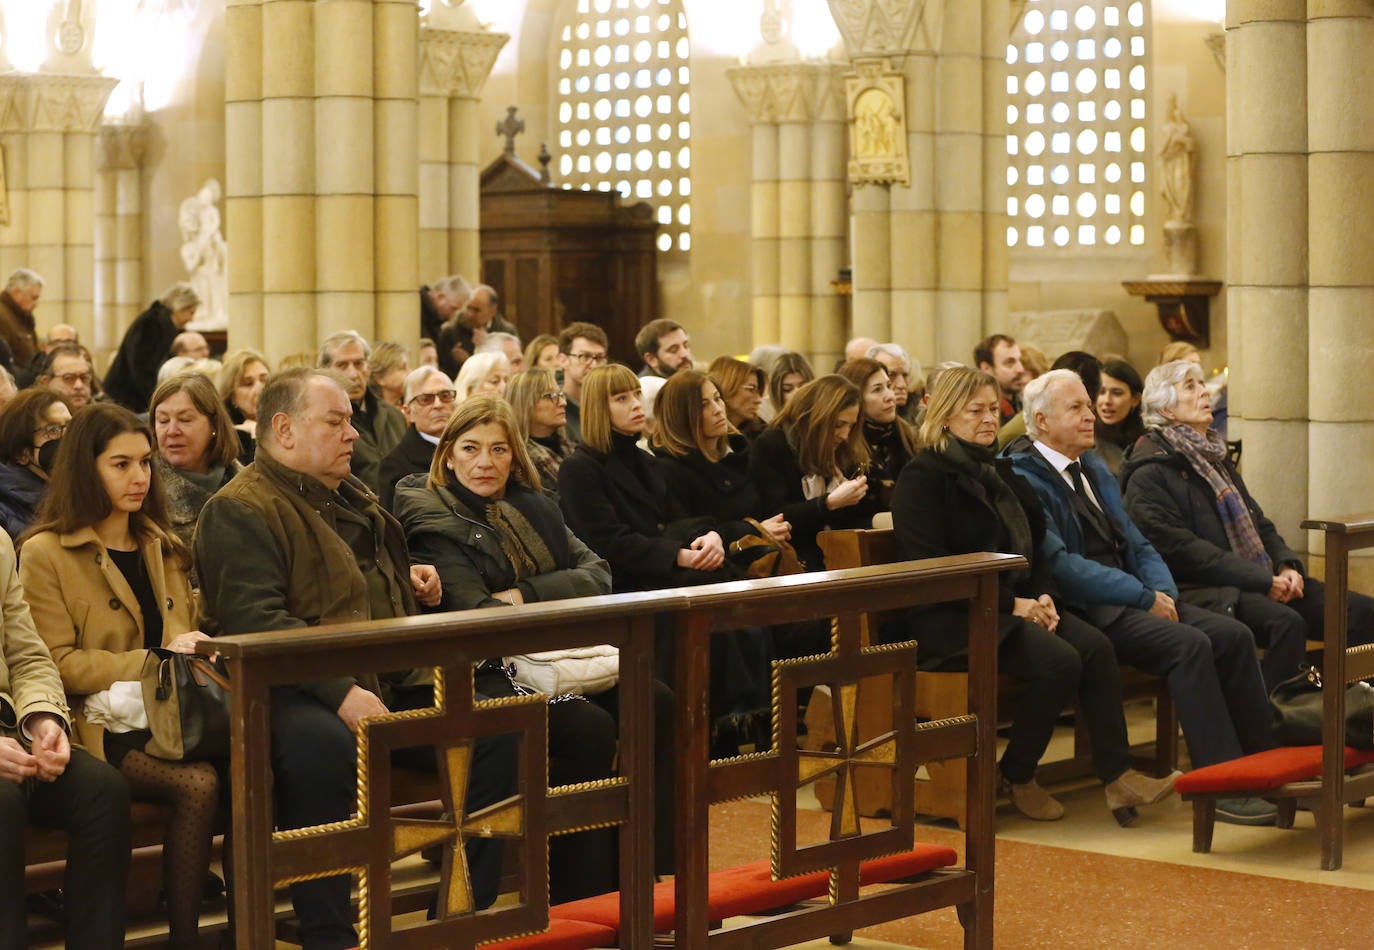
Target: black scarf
980 462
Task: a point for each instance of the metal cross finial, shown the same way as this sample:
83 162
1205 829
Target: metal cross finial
510 127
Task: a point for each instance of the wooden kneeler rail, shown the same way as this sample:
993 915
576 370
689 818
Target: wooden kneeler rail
366 845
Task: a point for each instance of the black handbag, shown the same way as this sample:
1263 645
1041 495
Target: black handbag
1297 707
186 697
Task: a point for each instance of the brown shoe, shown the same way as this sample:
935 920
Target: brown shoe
1032 801
1133 789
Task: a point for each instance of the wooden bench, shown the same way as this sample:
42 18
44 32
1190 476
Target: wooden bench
943 695
1326 777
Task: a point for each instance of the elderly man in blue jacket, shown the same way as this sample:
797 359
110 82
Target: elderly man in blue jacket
1109 575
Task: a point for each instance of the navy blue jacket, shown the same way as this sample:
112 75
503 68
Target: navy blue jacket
1081 580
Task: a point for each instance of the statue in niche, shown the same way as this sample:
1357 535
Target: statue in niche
875 124
205 254
1179 158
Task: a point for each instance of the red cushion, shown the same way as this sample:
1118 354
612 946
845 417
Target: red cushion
750 888
562 935
1264 770
919 860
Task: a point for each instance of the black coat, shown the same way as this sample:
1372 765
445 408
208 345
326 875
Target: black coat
617 503
146 345
412 454
777 477
938 511
722 491
1177 511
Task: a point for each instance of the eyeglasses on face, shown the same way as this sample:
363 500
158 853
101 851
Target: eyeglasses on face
445 396
594 359
555 397
71 379
49 432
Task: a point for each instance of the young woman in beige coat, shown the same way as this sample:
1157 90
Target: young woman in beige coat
106 580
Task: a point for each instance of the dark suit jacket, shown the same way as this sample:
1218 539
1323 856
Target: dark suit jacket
616 503
412 454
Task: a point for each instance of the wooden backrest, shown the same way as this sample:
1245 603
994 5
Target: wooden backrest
859 547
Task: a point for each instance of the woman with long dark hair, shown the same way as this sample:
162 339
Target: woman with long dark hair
891 439
812 463
1119 421
108 580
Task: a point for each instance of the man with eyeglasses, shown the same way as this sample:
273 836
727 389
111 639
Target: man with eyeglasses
429 402
581 349
68 374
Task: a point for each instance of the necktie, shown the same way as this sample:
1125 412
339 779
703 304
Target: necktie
1076 473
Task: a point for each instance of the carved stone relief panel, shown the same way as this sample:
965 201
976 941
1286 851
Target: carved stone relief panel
876 94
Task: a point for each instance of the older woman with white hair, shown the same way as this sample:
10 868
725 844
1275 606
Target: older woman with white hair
483 373
1189 500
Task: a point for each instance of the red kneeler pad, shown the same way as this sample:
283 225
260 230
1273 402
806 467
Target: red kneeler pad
1264 770
750 889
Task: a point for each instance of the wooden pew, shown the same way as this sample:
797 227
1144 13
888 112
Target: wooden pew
942 695
367 845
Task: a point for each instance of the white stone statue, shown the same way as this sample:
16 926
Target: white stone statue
206 255
1179 158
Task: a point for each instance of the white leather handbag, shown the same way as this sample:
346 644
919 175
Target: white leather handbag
580 671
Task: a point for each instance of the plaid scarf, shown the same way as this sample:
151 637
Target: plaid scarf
1207 454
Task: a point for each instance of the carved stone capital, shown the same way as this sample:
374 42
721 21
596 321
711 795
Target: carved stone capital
121 147
457 63
790 92
883 27
45 102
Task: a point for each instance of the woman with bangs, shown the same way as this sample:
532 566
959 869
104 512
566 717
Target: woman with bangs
479 516
616 500
891 439
541 412
107 580
812 464
790 372
197 447
742 388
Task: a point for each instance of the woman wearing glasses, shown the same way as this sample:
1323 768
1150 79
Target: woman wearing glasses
742 386
428 401
35 418
197 447
541 411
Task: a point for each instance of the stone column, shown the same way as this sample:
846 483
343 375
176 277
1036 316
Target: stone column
1340 170
798 203
918 259
871 262
119 295
50 160
829 215
323 186
243 203
454 66
1267 249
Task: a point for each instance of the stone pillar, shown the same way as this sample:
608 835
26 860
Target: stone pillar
454 66
119 294
243 204
323 183
918 257
50 160
1340 170
798 203
829 217
1267 249
763 226
871 263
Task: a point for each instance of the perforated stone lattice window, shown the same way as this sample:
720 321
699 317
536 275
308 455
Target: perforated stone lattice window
1076 77
624 106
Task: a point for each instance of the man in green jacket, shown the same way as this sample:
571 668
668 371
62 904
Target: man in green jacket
295 540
